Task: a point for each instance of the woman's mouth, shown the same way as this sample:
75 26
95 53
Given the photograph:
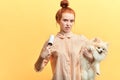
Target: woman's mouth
67 27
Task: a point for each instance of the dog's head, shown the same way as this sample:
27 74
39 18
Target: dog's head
101 47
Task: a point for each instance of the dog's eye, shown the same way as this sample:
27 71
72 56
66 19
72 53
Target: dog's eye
98 47
103 48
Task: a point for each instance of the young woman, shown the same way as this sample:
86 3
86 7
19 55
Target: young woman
65 52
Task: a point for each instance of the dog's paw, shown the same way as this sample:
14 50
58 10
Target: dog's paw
98 73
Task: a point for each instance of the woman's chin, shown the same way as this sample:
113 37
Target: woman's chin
67 31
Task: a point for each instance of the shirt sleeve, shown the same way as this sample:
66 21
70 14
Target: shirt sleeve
43 58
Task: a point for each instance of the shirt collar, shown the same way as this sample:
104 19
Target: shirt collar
63 35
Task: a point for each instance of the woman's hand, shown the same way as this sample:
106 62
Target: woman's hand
87 53
46 52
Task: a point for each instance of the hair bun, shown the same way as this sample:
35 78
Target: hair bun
64 3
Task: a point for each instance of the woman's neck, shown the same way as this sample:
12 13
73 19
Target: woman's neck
65 33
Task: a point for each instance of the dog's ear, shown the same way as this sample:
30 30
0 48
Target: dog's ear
107 44
96 39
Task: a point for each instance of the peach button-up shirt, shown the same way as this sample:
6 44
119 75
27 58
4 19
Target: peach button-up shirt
64 56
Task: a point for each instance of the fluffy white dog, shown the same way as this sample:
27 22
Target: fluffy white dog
99 51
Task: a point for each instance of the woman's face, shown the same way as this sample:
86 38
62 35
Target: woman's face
66 22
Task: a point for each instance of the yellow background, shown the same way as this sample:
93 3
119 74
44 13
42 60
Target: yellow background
26 24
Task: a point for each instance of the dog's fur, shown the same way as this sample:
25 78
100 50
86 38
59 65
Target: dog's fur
99 50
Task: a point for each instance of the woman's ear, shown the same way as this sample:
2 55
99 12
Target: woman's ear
58 21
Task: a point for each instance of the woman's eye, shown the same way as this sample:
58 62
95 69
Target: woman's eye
71 20
65 20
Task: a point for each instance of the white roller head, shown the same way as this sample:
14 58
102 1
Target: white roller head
51 40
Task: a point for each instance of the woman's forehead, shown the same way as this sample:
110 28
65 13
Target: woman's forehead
68 15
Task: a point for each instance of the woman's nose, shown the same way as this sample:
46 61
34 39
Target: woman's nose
68 23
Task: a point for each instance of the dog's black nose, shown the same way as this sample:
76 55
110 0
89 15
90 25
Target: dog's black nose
100 52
